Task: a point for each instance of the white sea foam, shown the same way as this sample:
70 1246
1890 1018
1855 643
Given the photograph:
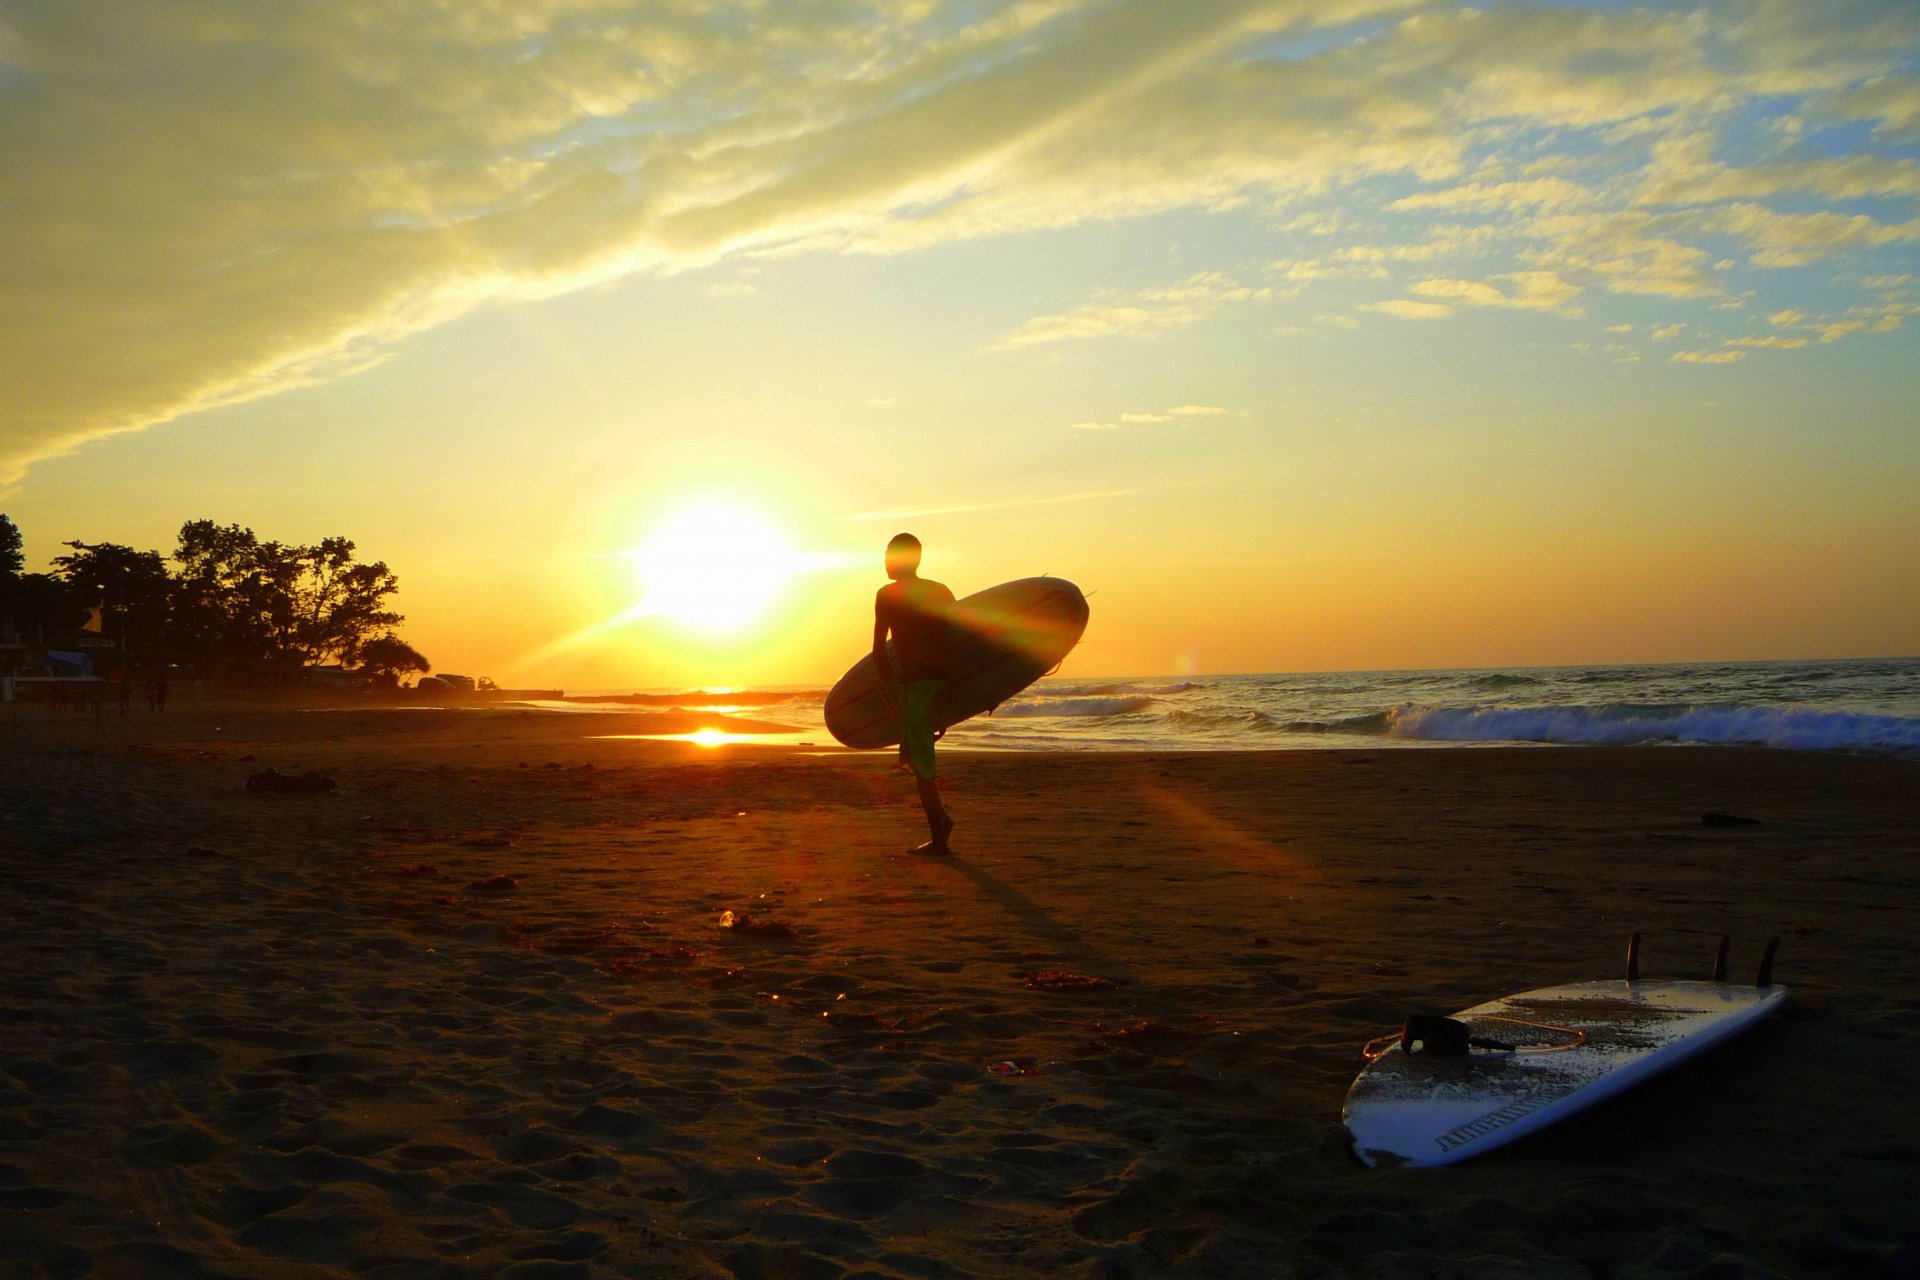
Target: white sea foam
1793 728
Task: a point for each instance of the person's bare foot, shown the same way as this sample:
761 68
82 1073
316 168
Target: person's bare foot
942 828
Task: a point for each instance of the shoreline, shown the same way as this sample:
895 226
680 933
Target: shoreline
325 1036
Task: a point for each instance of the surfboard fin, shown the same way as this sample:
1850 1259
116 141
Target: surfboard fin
1720 959
1633 958
1766 962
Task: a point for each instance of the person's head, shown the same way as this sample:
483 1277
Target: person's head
903 556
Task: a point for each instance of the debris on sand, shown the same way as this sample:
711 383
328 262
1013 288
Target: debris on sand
272 780
744 925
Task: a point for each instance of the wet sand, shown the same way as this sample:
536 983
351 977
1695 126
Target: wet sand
474 1012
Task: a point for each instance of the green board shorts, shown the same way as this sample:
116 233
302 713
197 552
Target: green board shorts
917 724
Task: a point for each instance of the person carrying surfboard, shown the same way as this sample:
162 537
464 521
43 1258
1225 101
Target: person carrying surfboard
916 613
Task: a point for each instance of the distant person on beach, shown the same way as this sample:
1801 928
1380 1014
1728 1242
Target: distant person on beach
159 693
915 612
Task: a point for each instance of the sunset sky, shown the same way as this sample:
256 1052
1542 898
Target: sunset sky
1307 335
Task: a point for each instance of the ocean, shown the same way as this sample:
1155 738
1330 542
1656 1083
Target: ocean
1854 705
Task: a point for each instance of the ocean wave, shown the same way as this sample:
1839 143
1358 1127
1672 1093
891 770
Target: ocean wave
1366 723
1791 728
1119 690
1205 721
1500 680
1072 706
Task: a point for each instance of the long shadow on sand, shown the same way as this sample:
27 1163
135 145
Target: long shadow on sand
1038 921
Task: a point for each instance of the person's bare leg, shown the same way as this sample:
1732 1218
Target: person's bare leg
939 824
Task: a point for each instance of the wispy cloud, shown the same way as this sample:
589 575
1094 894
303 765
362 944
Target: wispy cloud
1139 419
1409 309
1524 290
1143 313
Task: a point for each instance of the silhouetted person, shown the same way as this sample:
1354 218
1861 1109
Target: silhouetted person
916 612
160 693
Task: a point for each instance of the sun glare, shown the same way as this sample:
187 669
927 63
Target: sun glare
713 567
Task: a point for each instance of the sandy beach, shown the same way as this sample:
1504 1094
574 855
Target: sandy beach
475 1012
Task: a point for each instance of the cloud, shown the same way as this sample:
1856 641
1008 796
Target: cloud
1793 239
1139 419
1625 251
1408 309
1528 291
1709 357
1788 344
1683 172
1666 331
1299 272
1143 313
210 200
1508 197
1786 319
1892 102
1337 321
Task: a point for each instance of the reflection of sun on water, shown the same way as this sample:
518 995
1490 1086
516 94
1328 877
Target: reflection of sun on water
710 737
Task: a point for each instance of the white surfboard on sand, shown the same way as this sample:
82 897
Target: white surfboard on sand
1572 1046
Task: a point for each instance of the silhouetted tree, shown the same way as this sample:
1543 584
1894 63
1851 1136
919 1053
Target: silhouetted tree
240 597
340 605
34 602
388 657
12 562
224 596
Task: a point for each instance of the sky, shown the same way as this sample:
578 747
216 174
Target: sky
1303 336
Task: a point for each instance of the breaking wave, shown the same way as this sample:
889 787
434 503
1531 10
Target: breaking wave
1792 728
1367 722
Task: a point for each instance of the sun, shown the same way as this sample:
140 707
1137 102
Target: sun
714 567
